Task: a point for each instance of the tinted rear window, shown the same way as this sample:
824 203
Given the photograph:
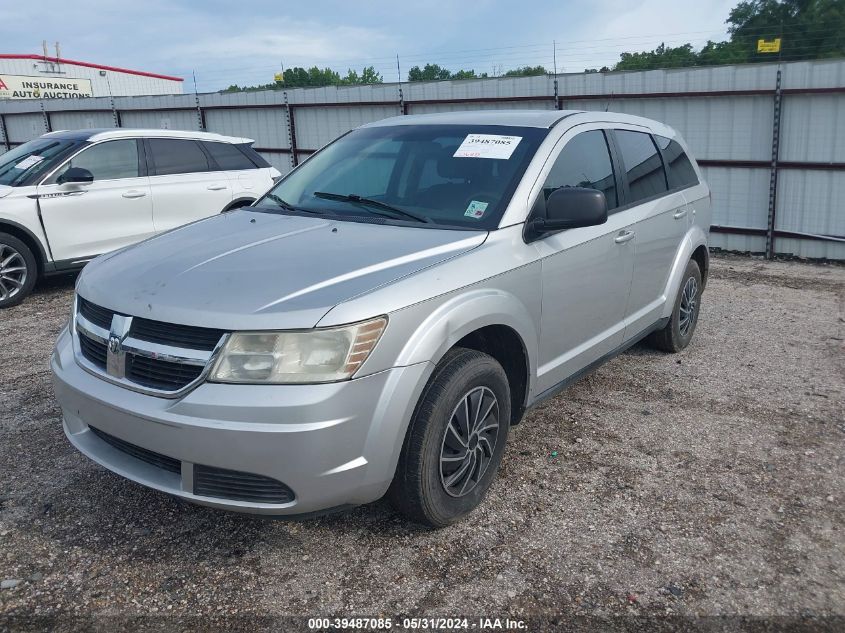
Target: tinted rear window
227 156
176 156
254 156
646 177
681 171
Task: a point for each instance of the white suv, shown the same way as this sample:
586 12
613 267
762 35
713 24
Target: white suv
69 196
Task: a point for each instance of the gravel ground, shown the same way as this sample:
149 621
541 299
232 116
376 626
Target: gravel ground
708 483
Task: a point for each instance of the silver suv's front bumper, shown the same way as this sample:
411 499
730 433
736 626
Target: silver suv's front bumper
332 444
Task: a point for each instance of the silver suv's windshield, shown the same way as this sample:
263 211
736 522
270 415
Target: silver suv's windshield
36 156
428 175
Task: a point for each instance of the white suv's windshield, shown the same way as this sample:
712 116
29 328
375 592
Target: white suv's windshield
35 156
431 175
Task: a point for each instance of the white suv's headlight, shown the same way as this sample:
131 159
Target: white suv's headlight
318 355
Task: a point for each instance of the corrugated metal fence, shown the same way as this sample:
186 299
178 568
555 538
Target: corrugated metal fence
771 138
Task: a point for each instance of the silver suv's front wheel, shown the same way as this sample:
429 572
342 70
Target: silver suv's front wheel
469 441
17 270
455 441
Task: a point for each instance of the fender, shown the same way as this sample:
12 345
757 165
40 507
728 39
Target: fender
439 328
463 314
237 203
694 238
44 260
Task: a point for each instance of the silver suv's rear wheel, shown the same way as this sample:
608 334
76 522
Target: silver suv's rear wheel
17 270
688 308
681 326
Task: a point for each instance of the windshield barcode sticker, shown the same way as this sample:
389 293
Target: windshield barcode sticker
28 162
487 146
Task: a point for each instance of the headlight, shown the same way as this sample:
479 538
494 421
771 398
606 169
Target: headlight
318 355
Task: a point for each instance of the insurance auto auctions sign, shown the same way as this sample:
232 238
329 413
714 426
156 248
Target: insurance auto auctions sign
23 87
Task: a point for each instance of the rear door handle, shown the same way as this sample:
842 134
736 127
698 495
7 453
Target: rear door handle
624 236
134 193
217 187
680 214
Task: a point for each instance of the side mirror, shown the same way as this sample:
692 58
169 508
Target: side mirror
76 174
570 208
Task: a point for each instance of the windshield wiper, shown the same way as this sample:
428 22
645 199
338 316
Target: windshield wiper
287 206
369 202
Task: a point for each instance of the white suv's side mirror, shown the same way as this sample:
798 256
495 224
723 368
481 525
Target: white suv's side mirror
78 175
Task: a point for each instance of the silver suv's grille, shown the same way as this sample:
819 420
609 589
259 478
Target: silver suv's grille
155 331
143 354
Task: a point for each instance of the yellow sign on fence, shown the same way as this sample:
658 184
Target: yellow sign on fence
768 46
279 77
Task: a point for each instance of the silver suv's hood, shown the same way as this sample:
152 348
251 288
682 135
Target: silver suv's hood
248 270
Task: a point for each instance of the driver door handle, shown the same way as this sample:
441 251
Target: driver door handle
680 214
624 236
134 193
216 187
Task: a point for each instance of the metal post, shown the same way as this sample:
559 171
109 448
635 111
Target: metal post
114 113
291 130
403 107
47 126
3 136
557 98
773 177
200 115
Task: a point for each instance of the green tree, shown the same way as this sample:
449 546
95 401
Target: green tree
714 53
370 76
434 72
526 71
810 29
298 77
660 57
468 74
431 72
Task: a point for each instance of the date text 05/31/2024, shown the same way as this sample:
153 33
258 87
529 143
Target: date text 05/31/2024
431 624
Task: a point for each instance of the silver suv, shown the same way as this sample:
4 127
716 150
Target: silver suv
380 319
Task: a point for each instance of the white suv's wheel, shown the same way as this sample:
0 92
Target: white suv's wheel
18 270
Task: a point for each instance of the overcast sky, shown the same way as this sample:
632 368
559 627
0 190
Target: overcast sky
245 42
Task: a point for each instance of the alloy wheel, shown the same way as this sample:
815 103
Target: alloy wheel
13 272
469 441
689 303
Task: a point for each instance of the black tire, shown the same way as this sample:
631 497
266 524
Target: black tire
419 489
678 331
15 285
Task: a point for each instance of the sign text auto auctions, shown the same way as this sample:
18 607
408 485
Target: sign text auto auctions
23 87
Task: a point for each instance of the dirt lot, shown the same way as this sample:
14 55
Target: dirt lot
706 483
